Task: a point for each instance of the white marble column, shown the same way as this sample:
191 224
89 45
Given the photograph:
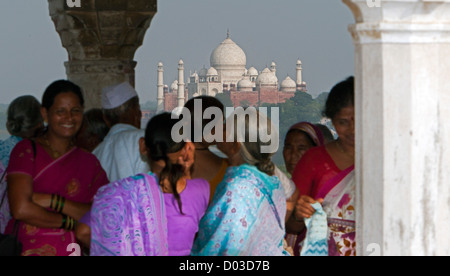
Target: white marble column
181 84
160 87
402 67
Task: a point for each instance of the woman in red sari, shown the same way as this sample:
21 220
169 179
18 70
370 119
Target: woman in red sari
51 183
321 169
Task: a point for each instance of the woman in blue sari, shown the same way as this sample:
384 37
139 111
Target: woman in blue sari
246 215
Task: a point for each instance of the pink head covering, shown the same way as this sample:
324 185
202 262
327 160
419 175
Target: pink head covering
311 130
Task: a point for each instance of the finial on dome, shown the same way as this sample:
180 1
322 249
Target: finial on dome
228 33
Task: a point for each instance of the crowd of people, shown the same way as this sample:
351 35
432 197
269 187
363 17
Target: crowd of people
100 180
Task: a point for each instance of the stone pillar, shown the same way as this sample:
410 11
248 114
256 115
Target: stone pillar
101 38
160 87
403 135
181 84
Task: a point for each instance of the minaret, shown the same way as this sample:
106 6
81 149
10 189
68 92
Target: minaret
181 84
273 67
299 73
160 88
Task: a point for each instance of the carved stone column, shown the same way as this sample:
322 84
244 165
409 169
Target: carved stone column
101 38
402 66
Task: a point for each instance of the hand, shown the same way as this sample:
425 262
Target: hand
187 161
303 208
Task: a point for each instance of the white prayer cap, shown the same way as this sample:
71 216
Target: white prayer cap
116 95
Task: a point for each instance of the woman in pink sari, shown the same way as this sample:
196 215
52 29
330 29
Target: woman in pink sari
51 183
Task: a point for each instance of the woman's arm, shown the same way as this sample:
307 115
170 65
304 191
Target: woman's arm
290 205
20 196
72 209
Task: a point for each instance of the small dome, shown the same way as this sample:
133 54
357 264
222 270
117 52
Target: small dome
212 72
244 83
174 85
267 77
252 71
288 83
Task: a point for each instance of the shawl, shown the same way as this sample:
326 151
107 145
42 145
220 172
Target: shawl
245 218
128 219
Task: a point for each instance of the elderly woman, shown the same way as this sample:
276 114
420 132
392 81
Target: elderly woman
325 174
246 216
299 139
24 121
51 182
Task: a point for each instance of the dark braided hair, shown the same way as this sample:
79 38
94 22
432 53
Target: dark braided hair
159 142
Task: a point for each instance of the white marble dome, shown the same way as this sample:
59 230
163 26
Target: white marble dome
252 72
288 83
212 72
174 85
267 77
228 53
245 83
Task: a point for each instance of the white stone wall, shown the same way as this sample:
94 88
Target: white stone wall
402 66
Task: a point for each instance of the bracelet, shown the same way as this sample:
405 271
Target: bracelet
55 202
61 206
63 225
68 223
58 204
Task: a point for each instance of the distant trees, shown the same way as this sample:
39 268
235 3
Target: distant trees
225 99
149 105
301 107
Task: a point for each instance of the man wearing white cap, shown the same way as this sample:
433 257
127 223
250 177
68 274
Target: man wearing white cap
119 152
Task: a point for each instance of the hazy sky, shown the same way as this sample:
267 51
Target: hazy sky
316 31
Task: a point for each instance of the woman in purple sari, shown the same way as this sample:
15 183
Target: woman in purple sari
51 183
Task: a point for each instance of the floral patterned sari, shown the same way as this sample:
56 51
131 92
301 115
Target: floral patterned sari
339 205
245 218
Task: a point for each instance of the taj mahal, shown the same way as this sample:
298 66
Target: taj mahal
228 74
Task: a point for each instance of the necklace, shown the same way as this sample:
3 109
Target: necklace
338 143
56 154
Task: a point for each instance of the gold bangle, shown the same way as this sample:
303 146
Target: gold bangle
61 204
